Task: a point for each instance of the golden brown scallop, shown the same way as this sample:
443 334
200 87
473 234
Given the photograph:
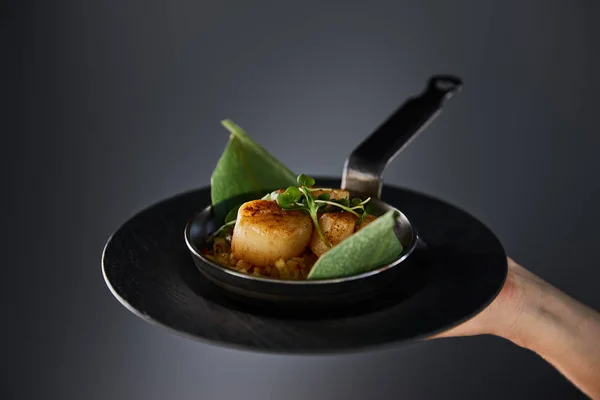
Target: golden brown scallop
264 233
336 227
334 194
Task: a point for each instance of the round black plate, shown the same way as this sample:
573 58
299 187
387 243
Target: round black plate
148 268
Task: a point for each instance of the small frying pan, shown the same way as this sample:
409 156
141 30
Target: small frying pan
362 176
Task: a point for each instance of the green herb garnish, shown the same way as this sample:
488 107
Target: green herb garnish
301 198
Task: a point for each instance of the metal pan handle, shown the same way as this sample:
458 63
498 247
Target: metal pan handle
364 168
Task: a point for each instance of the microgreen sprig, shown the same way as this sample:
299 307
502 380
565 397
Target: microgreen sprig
357 204
301 198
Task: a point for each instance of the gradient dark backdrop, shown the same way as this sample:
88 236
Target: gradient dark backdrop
108 107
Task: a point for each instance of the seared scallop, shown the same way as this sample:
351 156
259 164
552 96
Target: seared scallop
336 227
334 194
264 233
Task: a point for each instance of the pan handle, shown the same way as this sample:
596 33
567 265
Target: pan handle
363 170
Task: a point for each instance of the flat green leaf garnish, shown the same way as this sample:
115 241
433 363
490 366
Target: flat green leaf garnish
245 167
372 247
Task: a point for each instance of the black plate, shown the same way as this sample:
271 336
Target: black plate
149 269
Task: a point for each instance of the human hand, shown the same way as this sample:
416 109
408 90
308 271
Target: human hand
501 318
533 314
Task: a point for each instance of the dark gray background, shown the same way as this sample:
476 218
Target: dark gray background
108 107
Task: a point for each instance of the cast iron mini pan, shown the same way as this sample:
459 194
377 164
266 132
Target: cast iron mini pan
362 175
